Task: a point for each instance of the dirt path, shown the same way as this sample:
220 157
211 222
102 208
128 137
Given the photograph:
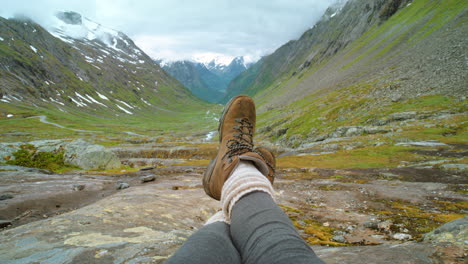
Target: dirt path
42 118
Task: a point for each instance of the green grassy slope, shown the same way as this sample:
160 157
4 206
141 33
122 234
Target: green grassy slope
43 75
388 70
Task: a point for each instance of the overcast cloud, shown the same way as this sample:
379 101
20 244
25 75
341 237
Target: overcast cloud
183 29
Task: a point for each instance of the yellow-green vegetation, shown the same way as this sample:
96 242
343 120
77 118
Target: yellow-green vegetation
189 120
459 188
318 114
116 171
419 220
331 187
28 156
368 157
312 231
348 179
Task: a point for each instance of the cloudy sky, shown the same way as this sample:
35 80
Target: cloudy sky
185 29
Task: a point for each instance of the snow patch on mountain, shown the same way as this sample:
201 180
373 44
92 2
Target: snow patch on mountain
70 25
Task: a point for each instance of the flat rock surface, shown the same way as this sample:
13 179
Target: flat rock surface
147 222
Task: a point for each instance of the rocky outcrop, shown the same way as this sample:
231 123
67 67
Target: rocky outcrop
77 152
455 232
90 156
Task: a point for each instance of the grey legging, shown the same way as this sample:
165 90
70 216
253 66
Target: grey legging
259 233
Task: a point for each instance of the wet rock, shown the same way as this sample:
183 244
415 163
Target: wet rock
6 197
122 185
78 187
455 232
147 168
148 178
402 236
339 239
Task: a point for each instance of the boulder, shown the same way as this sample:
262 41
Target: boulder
48 145
77 152
455 232
90 156
148 178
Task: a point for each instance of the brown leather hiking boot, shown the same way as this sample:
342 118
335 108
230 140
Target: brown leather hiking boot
236 129
271 162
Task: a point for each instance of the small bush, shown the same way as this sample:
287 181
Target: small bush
28 156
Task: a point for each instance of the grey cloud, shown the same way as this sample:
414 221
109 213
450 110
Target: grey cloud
185 27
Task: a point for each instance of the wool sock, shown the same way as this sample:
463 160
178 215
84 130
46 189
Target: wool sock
246 178
218 217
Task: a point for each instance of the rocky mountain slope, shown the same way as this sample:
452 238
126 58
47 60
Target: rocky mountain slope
363 66
80 71
209 80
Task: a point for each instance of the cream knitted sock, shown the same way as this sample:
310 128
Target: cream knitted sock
245 179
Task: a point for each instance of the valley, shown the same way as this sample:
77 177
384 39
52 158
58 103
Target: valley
366 113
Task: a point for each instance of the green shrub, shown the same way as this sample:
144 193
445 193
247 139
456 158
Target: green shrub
28 156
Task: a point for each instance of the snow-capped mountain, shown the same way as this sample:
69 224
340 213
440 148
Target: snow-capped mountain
334 9
76 65
69 26
207 78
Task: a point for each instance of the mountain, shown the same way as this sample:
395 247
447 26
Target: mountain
197 78
362 62
207 80
79 67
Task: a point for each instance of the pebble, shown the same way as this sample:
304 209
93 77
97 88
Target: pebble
402 236
78 187
339 239
122 185
386 225
148 178
371 224
339 233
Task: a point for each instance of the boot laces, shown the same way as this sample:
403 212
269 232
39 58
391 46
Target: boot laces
242 142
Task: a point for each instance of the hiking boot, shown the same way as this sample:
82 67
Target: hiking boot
236 129
270 160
